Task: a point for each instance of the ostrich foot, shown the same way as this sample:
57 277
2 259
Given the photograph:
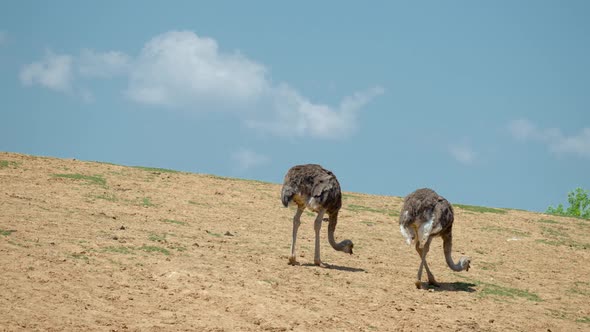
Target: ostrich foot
293 260
320 264
418 284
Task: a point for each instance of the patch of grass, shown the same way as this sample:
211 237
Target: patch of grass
479 209
176 222
114 262
360 208
557 314
548 221
554 232
106 163
487 266
501 291
157 238
7 163
493 290
146 201
179 248
80 256
515 209
198 203
216 177
583 320
580 288
393 214
118 250
17 244
551 242
271 282
6 232
156 169
506 230
368 223
155 249
213 234
107 197
226 178
348 196
90 179
559 237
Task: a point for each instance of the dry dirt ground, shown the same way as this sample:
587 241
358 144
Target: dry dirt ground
90 246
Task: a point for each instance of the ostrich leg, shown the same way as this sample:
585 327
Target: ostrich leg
317 226
423 263
296 223
431 279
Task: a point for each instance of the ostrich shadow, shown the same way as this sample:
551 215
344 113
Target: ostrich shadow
457 286
337 267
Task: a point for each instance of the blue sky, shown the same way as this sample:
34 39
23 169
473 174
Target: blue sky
485 102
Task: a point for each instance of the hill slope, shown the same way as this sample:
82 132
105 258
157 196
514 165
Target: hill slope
93 246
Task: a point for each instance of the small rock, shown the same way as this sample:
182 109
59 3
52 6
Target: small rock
491 320
228 234
122 228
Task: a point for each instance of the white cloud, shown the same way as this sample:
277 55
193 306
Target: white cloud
63 72
462 153
577 144
555 140
54 71
297 116
247 159
522 129
102 65
180 69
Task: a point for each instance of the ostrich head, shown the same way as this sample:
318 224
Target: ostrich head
346 246
464 263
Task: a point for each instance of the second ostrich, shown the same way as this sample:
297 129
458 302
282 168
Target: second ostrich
311 186
425 215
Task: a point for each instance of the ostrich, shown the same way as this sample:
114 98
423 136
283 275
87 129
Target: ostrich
426 214
316 188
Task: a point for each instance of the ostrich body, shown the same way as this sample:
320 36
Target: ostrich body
311 186
426 215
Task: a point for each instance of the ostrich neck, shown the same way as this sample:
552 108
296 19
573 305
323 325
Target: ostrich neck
332 221
448 248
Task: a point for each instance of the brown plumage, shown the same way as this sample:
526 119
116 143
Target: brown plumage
426 215
311 186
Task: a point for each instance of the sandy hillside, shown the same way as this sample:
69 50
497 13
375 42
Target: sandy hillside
91 246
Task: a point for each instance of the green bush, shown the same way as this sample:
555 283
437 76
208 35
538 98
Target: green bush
579 202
